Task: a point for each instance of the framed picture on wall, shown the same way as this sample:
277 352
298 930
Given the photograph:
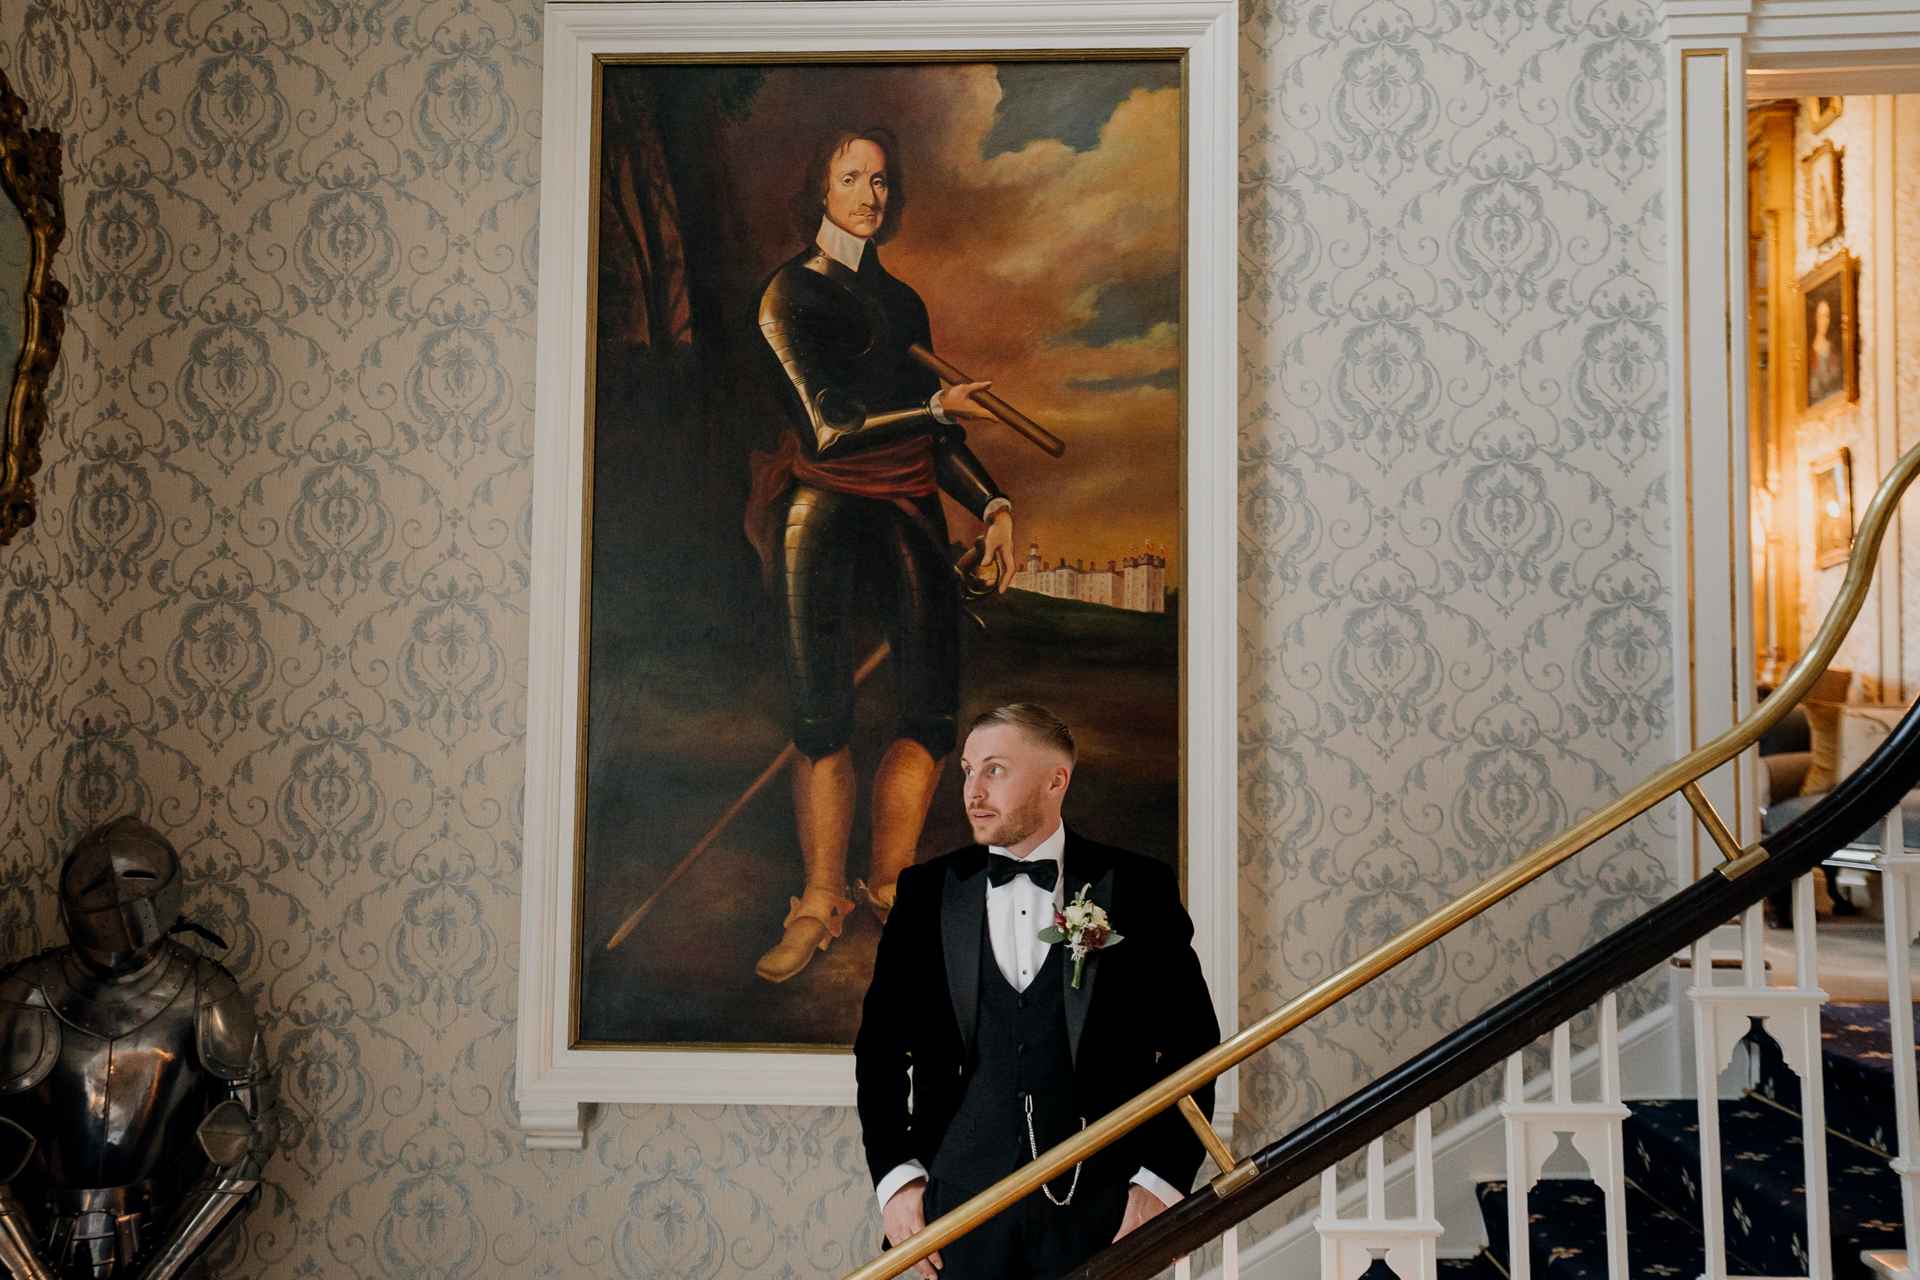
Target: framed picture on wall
779 243
1820 171
1827 335
1822 112
1832 509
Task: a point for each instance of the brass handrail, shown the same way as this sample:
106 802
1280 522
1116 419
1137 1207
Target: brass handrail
1515 876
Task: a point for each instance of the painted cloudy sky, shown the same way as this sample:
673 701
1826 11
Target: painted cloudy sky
1043 231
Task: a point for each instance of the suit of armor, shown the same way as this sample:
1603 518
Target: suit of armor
865 510
134 1088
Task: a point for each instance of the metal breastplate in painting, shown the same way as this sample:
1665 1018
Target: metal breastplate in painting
841 342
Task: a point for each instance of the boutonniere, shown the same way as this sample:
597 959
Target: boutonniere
1083 927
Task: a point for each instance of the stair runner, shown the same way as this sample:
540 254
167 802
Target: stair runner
1765 1201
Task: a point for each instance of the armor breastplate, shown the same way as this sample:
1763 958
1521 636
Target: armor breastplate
842 339
126 1093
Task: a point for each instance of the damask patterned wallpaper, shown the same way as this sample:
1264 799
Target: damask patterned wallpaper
1456 500
276 599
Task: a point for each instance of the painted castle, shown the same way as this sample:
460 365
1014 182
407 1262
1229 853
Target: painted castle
1139 582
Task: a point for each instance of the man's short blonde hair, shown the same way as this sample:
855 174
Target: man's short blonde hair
1039 724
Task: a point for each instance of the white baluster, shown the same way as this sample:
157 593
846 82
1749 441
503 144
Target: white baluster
1707 1060
1230 1254
1792 1016
1615 1183
1533 1135
1347 1245
1519 1241
1900 903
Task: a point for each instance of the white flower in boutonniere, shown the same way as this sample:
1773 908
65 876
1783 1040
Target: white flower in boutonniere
1083 927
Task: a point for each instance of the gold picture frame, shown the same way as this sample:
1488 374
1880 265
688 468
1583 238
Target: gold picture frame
1822 112
1821 175
30 175
634 988
1832 509
1829 361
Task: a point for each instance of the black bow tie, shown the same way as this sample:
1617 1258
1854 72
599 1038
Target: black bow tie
1044 872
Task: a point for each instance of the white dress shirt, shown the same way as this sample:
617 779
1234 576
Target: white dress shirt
1016 913
1019 909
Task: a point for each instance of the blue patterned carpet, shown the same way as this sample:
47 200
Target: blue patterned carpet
1766 1217
1574 1247
1766 1221
1859 1066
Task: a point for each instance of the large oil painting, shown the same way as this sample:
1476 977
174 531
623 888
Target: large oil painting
884 429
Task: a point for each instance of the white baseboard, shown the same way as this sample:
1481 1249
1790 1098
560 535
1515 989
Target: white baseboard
1472 1152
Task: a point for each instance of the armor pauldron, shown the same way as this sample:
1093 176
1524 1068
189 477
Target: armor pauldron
229 1035
29 1036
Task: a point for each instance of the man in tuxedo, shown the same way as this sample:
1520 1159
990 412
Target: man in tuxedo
1008 1056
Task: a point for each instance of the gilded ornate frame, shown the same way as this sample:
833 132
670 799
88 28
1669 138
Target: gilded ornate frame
1830 545
1845 266
1826 155
30 173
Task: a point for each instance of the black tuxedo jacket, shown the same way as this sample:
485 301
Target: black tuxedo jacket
1141 1010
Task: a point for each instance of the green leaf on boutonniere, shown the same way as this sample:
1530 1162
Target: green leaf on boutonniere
1112 940
1051 935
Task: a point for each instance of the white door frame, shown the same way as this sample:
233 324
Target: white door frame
1847 45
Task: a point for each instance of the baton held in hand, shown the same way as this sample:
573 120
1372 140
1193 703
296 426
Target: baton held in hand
1000 408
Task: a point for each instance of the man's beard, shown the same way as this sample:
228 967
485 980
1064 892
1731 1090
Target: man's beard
1011 826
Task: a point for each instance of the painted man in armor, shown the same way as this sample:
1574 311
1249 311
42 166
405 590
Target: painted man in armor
848 515
134 1088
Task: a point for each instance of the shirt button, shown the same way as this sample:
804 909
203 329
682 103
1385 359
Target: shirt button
1021 1049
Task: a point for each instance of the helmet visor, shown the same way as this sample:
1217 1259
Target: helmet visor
120 892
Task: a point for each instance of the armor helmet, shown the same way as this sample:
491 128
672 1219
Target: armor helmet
120 894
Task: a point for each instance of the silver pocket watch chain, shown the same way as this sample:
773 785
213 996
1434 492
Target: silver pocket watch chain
1033 1149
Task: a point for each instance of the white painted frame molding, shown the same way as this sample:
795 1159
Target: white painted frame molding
556 1083
1707 293
1791 46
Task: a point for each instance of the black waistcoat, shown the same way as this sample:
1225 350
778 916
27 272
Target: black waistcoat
1022 1052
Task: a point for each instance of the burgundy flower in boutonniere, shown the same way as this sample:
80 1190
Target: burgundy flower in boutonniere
1083 926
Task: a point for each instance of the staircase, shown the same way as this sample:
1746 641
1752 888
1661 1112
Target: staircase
1740 1211
1765 1198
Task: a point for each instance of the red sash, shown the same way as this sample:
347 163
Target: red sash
903 469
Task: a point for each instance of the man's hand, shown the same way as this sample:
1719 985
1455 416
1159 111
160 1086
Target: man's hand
999 549
958 403
906 1214
1142 1204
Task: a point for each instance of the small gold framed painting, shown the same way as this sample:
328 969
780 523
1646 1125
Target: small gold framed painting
1832 509
1827 335
1821 172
